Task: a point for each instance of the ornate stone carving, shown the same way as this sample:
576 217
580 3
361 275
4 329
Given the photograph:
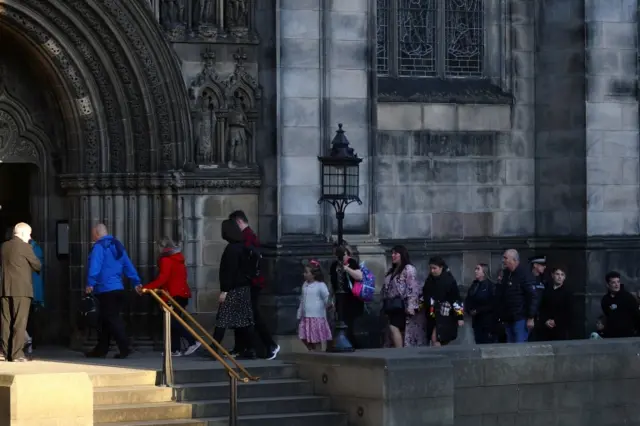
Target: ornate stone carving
206 19
210 179
237 18
8 130
173 16
224 112
238 134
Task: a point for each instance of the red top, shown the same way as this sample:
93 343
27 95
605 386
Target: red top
173 275
251 239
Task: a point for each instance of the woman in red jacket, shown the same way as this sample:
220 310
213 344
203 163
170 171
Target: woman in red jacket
173 279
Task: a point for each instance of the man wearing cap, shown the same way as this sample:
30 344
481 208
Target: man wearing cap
538 266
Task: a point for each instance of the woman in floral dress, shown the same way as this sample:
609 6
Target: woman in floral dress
401 303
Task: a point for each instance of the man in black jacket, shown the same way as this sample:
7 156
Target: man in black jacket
516 298
538 266
620 309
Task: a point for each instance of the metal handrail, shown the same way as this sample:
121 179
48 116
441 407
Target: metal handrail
167 365
248 376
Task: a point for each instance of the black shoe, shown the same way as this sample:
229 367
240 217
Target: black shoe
122 354
246 355
95 354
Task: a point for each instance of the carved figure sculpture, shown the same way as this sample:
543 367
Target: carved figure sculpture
206 121
237 134
237 13
172 12
206 12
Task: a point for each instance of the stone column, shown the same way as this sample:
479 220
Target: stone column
612 158
347 94
300 103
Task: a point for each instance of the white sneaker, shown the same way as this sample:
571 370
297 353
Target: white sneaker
29 346
191 349
274 353
174 354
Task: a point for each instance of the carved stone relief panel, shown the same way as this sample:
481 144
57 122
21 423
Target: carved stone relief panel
224 21
224 114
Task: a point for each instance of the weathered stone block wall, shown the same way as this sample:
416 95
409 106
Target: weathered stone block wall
612 118
203 244
581 383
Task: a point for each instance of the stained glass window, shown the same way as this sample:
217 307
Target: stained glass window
430 38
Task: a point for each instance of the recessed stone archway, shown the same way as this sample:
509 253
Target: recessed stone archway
122 117
130 107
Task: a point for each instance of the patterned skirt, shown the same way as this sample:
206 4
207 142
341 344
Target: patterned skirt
236 311
314 330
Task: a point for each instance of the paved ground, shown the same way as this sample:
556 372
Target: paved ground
60 360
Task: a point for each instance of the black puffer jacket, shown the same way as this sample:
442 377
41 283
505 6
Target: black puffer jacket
516 295
481 298
438 290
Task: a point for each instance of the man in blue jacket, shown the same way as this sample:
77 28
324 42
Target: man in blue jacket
107 263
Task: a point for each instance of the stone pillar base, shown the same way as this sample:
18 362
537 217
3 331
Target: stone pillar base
64 399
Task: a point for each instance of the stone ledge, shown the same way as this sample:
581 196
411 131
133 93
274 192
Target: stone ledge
46 399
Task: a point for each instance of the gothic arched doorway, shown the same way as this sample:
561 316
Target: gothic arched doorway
95 101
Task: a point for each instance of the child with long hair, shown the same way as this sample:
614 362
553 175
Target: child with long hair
312 312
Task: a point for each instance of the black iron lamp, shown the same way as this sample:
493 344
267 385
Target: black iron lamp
340 187
340 178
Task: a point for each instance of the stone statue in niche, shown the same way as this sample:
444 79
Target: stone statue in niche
238 133
173 16
205 122
237 17
205 18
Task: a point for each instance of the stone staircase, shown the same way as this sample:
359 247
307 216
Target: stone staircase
201 398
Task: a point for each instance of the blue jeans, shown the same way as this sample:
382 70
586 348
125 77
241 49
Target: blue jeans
517 332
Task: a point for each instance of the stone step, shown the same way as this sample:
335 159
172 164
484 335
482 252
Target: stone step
297 419
266 388
131 395
141 412
266 371
262 406
126 378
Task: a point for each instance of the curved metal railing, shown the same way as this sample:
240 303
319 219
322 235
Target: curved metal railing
219 353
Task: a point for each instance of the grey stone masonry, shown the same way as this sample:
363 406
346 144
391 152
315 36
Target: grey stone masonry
612 156
560 119
323 81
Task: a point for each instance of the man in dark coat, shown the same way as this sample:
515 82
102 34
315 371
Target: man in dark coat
18 264
516 298
620 309
538 266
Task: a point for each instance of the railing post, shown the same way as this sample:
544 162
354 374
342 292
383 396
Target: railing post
167 364
233 400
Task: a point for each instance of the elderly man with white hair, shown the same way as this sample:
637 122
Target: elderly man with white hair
517 298
18 264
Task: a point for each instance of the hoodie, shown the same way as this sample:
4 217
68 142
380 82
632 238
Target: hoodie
621 312
234 261
173 274
108 261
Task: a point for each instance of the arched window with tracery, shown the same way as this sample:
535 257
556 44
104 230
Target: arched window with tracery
431 38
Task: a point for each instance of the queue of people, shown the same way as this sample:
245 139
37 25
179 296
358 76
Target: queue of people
519 306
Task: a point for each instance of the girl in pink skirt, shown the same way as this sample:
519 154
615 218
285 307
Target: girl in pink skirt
312 313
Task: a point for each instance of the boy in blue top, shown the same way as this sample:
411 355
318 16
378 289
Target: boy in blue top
108 261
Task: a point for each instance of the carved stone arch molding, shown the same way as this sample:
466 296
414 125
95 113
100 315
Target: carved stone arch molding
21 141
130 106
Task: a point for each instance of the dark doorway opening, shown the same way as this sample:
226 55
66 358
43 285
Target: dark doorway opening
16 195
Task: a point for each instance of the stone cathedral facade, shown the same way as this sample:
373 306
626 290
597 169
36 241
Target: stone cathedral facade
483 124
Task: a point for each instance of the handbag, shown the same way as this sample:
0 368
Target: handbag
393 305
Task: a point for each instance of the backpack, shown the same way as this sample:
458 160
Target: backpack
365 289
253 260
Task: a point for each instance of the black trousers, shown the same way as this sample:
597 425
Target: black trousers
177 330
15 315
260 328
111 323
243 337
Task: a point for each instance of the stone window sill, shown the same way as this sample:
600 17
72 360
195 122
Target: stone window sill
438 90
